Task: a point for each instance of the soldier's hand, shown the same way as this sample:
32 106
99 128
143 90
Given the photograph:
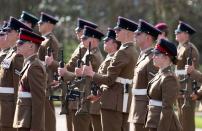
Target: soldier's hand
88 70
189 68
62 71
194 96
79 71
49 59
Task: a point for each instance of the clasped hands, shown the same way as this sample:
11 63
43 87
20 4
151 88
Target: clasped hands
84 70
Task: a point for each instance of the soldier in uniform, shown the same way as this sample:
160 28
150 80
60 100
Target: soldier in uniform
196 75
70 66
30 107
164 29
93 36
46 26
186 50
111 45
29 19
116 99
163 90
4 45
11 66
145 36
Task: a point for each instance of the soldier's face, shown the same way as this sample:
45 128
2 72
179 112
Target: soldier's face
109 46
181 37
24 48
119 34
158 59
2 40
140 38
42 27
12 36
85 41
79 34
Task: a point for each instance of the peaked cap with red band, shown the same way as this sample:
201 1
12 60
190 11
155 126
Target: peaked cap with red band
26 35
166 47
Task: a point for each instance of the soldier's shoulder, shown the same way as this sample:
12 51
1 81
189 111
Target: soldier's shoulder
37 64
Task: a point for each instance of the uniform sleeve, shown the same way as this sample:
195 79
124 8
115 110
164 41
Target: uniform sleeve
195 56
199 93
41 53
69 76
17 67
37 82
54 45
170 88
117 64
73 60
196 75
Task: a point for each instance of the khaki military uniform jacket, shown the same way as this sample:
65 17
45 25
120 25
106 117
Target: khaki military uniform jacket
30 111
182 55
70 66
75 56
163 87
197 75
9 79
3 54
144 72
52 42
122 65
96 60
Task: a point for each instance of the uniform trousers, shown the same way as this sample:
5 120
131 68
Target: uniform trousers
81 122
23 129
7 129
96 122
69 119
114 120
50 119
152 129
137 127
187 115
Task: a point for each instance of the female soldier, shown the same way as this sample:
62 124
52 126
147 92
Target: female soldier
163 90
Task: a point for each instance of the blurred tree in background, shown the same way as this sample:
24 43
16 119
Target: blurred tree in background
105 13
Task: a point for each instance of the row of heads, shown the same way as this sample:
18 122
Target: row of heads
89 28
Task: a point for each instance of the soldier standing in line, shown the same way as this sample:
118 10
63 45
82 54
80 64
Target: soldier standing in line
186 50
93 36
116 100
145 36
4 45
164 30
196 75
29 19
71 65
163 90
30 107
46 27
111 45
9 75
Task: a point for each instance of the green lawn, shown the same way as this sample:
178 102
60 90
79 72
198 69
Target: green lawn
198 120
